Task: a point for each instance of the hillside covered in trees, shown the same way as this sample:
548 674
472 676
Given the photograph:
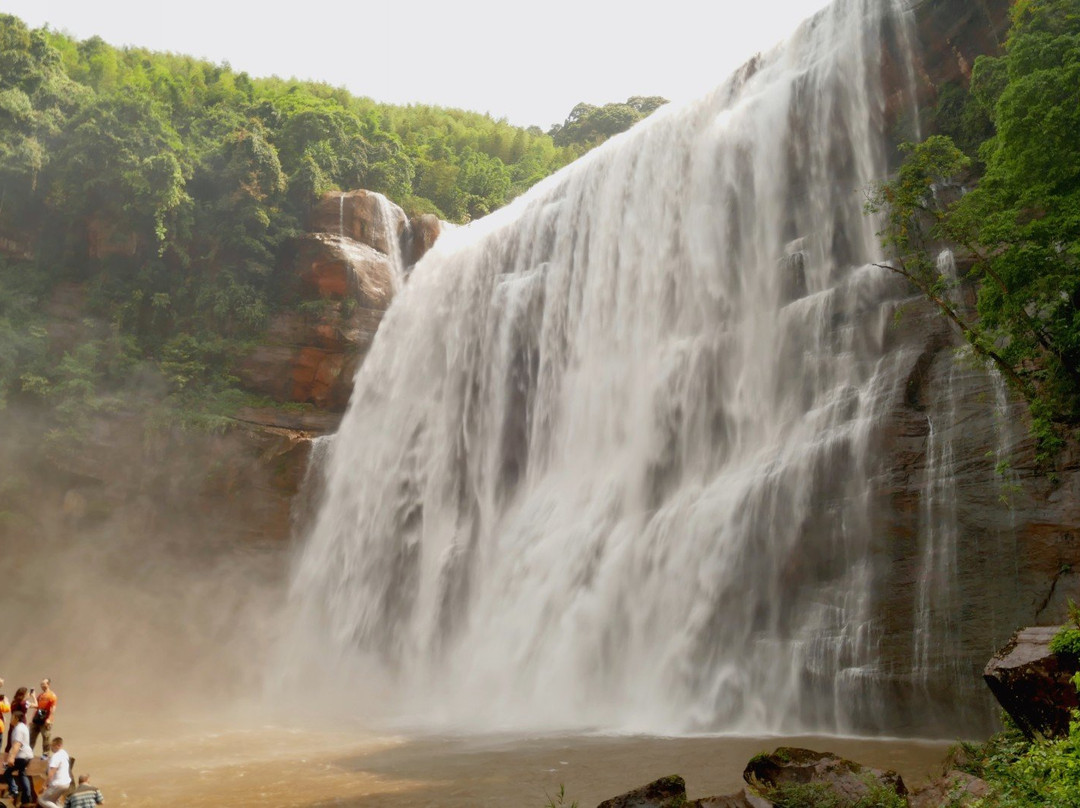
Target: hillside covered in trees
164 188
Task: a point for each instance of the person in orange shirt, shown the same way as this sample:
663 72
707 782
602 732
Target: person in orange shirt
5 710
41 723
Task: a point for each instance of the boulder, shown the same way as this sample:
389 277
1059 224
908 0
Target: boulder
955 789
332 267
667 792
311 350
847 780
1033 684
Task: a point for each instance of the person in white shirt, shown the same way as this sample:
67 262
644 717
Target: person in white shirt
18 757
58 779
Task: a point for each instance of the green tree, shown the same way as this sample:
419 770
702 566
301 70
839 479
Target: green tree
588 126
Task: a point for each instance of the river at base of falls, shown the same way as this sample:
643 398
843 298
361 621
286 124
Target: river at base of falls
185 764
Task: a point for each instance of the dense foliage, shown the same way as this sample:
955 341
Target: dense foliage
1022 773
1019 224
163 188
588 125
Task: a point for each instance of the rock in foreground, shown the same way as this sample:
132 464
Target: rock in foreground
670 792
1033 684
843 780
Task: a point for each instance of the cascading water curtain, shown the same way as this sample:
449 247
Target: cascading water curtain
607 462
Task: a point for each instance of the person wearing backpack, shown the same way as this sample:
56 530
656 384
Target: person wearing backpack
41 723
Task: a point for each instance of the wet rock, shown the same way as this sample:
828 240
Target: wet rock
311 350
1033 684
1014 529
667 792
949 36
310 357
955 789
845 779
793 272
331 267
363 216
423 232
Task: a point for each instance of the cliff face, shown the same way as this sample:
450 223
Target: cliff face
976 539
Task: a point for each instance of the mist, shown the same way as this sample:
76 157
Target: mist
143 574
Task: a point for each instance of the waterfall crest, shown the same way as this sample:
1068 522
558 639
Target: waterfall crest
609 461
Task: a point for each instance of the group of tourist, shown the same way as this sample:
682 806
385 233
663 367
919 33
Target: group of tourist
38 709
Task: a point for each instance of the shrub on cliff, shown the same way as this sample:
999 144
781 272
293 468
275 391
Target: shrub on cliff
1067 640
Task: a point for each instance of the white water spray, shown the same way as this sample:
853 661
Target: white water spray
386 222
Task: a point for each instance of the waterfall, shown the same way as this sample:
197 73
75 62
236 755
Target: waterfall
341 215
609 462
938 529
387 223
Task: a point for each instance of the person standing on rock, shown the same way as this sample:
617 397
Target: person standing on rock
58 778
19 783
85 796
41 723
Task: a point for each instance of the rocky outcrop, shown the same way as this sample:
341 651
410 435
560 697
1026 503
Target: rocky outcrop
1033 684
361 216
953 34
311 350
344 278
370 218
846 781
950 35
236 485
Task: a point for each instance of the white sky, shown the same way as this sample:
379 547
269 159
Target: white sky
528 62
